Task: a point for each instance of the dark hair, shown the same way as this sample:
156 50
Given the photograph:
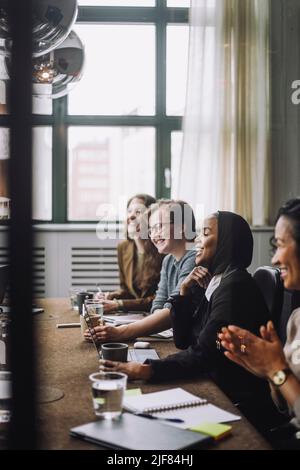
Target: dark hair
187 217
152 259
291 210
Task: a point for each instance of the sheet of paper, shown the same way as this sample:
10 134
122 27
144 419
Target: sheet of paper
195 415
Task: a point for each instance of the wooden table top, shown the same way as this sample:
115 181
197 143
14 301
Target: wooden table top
65 362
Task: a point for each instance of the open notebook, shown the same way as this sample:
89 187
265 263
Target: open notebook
179 404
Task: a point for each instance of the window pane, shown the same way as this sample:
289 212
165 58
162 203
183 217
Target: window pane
119 74
179 3
120 3
42 173
177 64
176 147
107 165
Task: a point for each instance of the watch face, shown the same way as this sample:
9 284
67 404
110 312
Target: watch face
279 378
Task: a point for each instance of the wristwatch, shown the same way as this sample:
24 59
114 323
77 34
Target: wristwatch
280 377
119 303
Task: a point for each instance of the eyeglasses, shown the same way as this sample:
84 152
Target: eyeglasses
158 228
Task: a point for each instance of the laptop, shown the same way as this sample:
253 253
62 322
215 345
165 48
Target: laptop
140 355
136 355
137 433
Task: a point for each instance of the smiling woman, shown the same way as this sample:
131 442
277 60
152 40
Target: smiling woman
264 356
139 262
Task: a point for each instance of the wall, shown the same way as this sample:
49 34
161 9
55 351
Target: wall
66 256
285 68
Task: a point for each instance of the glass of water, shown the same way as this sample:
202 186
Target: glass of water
94 310
108 392
73 297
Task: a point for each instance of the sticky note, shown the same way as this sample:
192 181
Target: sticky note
215 430
133 392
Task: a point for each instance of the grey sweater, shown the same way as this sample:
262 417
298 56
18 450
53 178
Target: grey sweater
171 276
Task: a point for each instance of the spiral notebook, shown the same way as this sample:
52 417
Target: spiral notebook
180 404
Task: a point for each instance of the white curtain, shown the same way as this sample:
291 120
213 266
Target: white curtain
225 153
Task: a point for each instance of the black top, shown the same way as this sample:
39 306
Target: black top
196 322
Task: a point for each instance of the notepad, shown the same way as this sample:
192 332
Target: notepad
117 320
215 430
162 401
180 404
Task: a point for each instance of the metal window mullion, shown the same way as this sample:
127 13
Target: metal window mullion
73 120
59 162
94 14
162 160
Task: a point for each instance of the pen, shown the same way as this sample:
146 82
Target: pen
172 420
67 325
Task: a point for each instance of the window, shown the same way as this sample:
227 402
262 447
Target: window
119 74
42 173
177 63
111 136
120 3
176 147
106 164
178 3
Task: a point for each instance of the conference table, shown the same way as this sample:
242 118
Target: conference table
64 363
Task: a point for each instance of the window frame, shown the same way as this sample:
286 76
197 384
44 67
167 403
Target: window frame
160 16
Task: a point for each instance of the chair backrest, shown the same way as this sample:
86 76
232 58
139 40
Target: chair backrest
269 282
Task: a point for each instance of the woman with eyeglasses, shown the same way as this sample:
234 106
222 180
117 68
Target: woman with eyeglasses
139 263
264 355
171 227
217 292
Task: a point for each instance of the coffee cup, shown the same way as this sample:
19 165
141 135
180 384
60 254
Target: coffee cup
81 297
114 352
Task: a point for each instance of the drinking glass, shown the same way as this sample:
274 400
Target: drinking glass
73 297
94 310
108 393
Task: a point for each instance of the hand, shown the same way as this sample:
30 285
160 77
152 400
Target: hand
199 276
134 370
109 295
105 333
261 356
110 306
99 296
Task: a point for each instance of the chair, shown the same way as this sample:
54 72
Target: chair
269 282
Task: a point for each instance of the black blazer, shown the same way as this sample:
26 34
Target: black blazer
196 322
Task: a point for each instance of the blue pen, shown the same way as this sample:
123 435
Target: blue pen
172 420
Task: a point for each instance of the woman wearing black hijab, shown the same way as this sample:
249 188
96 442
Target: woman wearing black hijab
218 292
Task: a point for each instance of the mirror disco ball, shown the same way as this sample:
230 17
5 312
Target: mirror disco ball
55 74
52 23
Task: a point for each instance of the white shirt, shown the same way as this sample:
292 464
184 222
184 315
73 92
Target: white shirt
213 285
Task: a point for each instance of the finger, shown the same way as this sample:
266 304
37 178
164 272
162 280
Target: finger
264 333
103 363
225 345
234 358
237 330
239 335
230 346
272 332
